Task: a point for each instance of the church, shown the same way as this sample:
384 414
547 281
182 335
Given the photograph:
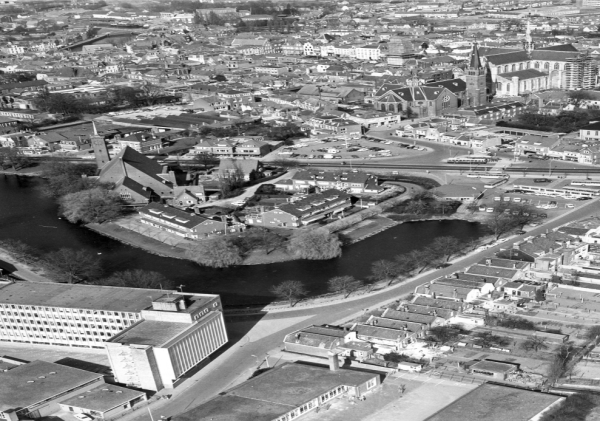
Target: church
437 98
522 72
135 177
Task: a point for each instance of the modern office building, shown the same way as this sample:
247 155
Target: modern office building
176 335
67 314
152 337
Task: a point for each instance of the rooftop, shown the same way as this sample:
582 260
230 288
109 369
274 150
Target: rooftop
103 398
496 403
36 381
91 297
150 332
274 393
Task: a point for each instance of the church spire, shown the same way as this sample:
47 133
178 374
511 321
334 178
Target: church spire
528 38
475 62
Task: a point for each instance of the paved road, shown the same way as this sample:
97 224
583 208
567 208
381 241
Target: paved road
242 357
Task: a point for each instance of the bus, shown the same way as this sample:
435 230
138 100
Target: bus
469 160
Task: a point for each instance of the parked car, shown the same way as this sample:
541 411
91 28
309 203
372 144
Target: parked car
490 210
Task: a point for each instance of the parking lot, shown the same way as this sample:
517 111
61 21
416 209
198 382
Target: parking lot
363 148
544 206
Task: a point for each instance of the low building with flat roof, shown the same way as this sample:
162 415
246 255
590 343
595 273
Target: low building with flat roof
492 402
105 401
33 390
283 393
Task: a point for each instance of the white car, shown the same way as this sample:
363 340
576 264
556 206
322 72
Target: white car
83 417
569 206
239 203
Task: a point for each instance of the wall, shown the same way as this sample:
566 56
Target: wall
190 348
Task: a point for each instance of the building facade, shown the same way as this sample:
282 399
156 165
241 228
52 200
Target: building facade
178 333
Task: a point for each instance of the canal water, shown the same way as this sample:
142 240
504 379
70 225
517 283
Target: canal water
27 215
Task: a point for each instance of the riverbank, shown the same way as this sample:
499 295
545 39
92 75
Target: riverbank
126 231
368 290
24 271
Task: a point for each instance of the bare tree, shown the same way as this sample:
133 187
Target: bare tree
577 97
446 246
220 252
138 278
501 221
291 291
444 334
315 244
593 332
73 265
93 205
268 240
405 264
384 270
344 284
534 343
206 160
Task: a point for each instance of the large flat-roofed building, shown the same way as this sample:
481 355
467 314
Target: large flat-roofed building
284 393
493 402
177 334
33 390
68 314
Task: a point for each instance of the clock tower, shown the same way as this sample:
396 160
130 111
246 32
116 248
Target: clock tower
476 80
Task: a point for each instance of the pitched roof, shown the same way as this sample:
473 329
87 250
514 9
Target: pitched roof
508 58
523 74
475 61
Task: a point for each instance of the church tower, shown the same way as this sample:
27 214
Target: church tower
100 148
476 80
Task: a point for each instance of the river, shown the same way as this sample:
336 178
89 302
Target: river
27 215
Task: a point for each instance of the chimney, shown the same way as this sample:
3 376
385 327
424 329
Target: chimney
334 363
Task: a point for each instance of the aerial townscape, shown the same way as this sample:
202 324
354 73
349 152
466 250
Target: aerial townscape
265 210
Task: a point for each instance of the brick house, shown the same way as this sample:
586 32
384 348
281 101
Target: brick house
302 212
187 225
349 181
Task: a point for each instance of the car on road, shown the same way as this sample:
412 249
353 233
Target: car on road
569 206
543 215
83 417
521 232
584 198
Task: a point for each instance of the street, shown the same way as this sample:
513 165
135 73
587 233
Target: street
243 355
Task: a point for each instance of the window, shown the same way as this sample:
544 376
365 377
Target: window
371 383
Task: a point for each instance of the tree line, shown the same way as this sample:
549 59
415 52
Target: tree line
115 98
81 199
228 250
79 266
403 265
